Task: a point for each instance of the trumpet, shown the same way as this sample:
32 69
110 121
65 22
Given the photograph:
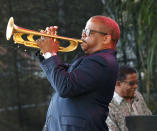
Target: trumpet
19 32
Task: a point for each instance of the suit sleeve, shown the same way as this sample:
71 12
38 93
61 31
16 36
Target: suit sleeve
86 77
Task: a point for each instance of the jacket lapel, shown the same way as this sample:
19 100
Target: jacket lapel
75 64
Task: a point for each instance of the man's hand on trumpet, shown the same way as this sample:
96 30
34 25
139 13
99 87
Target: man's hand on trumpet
47 44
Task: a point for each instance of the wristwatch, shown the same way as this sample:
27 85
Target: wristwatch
49 54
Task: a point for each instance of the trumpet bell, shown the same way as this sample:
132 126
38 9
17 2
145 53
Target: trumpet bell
18 33
10 27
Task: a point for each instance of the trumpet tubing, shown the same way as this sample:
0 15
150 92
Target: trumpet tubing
18 32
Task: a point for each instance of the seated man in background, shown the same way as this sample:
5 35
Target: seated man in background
126 100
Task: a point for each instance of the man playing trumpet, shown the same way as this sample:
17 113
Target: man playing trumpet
84 90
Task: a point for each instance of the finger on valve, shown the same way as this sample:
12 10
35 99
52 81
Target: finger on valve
55 28
48 31
44 32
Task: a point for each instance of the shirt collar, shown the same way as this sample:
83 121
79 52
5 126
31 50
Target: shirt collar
107 51
119 99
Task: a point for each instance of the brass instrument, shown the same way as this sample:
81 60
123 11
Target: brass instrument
18 32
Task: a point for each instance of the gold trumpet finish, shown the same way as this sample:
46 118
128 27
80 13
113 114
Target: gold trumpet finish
18 32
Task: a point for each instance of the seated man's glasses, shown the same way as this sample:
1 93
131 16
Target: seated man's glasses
87 32
131 83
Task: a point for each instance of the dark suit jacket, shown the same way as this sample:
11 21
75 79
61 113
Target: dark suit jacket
82 92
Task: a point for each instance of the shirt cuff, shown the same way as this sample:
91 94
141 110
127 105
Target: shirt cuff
49 54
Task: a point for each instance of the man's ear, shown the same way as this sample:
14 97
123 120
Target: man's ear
117 86
117 83
107 39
